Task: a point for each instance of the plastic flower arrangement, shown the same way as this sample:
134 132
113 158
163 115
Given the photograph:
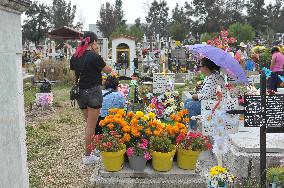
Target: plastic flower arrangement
193 141
44 99
219 177
163 105
107 142
140 149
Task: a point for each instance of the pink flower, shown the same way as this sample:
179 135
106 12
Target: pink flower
130 152
147 156
142 146
145 142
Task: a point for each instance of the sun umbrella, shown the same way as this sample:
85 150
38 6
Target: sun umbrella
222 59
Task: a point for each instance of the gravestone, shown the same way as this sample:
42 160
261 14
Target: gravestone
13 154
163 82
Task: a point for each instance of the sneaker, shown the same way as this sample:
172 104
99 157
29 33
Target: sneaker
87 160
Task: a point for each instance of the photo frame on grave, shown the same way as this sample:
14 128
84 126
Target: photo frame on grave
229 104
254 115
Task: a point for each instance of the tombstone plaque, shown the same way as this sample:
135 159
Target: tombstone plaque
274 111
163 82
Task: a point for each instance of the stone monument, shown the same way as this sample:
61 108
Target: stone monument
13 154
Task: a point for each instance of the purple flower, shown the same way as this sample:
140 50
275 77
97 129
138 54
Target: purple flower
130 152
147 156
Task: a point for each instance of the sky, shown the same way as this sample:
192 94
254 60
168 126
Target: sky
90 9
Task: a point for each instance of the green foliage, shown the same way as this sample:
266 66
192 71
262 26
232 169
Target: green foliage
119 12
256 12
178 31
36 24
133 31
62 14
161 143
276 175
157 18
107 22
207 36
29 94
242 32
66 119
265 59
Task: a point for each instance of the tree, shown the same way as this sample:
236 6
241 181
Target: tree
118 12
133 31
234 10
257 15
108 20
209 14
274 15
138 22
242 32
63 13
178 29
36 25
158 18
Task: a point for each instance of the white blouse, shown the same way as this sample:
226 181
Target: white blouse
209 88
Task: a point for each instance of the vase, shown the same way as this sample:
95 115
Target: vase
113 161
186 159
162 162
137 162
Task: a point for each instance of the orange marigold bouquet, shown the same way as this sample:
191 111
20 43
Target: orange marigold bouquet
134 126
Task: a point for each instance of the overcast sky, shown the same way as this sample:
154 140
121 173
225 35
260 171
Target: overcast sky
90 9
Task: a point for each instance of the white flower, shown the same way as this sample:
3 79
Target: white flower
160 98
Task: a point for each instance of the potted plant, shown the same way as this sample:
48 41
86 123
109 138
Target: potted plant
189 146
111 149
162 151
138 155
275 176
219 177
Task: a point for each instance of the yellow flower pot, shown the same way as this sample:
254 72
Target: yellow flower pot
113 161
186 159
162 162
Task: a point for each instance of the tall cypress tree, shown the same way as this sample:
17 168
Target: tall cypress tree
63 13
257 15
157 18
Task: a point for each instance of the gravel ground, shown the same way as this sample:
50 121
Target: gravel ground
55 147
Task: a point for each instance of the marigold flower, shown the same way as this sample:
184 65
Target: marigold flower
130 114
157 132
139 114
148 131
126 129
126 137
110 126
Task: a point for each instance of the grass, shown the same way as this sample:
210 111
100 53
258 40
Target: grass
55 145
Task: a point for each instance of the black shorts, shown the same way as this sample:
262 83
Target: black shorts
91 98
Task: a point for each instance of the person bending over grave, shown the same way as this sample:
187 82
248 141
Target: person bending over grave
208 89
88 65
112 98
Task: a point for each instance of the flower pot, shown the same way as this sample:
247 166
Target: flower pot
162 162
113 161
137 162
186 159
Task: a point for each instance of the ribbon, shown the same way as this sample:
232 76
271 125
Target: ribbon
82 47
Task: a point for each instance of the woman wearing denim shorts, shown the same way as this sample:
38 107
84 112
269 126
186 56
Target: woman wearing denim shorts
88 66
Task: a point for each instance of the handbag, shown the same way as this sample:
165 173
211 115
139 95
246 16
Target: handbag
75 90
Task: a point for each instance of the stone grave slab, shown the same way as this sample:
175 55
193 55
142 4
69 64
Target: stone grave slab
249 141
148 172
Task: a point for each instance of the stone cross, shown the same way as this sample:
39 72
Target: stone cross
13 154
